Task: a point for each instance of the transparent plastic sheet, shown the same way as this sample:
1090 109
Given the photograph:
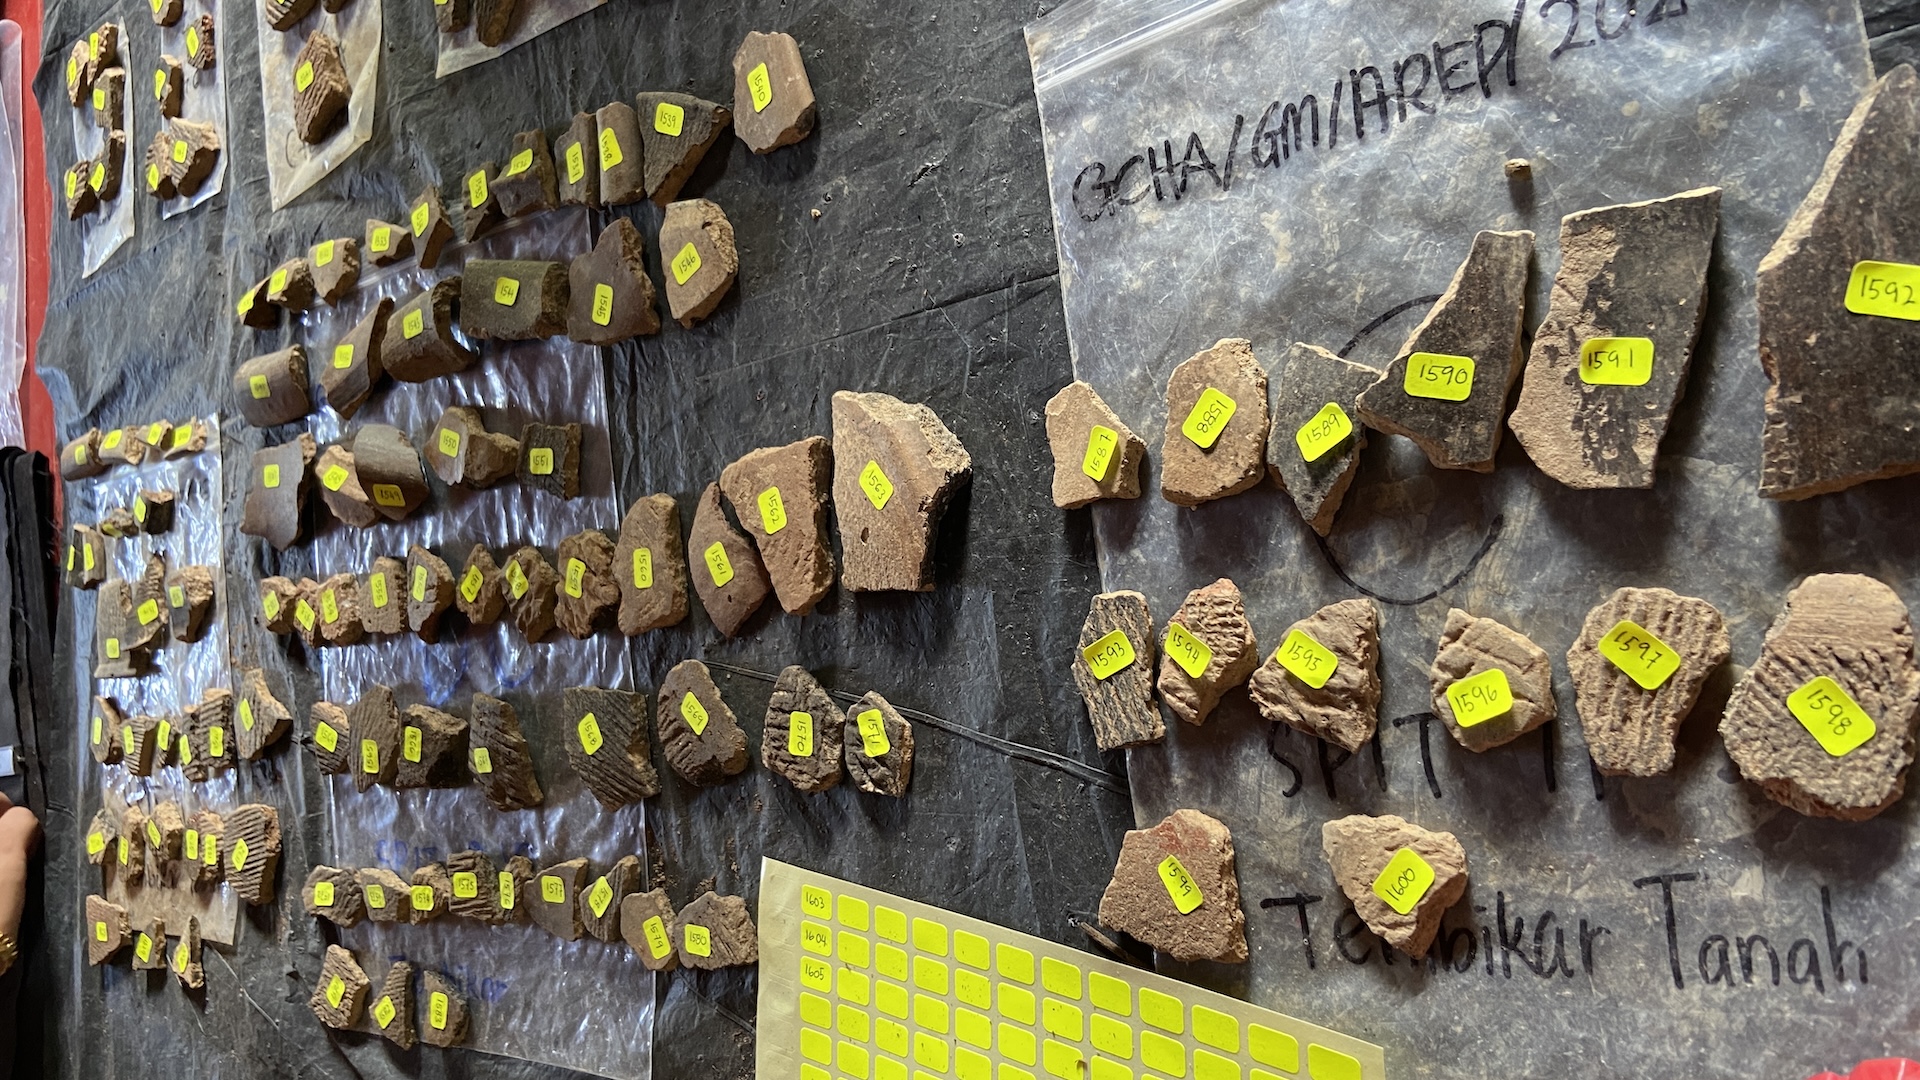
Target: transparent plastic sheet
1598 909
294 166
203 97
182 671
530 990
102 233
13 305
458 52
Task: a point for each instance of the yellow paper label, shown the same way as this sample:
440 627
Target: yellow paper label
516 580
384 1012
609 149
437 1010
335 477
589 731
112 439
505 291
552 889
382 239
99 931
602 303
180 158
100 99
123 852
643 568
323 894
1309 661
217 741
1192 654
1624 361
800 734
412 323
1646 659
1110 654
422 897
699 940
181 957
303 613
86 556
521 162
343 356
718 565
73 186
420 582
599 897
113 652
1098 460
1328 429
323 253
1439 376
140 507
470 584
482 760
149 610
410 740
193 39
466 886
506 891
99 730
182 434
449 442
576 163
760 87
694 713
1890 290
369 756
1480 698
1831 716
1180 886
257 385
1208 418
246 714
153 834
73 76
142 945
773 513
476 189
192 845
388 495
377 588
576 577
376 896
176 596
326 737
540 461
96 843
872 726
422 214
874 482
270 603
270 476
303 76
685 264
1406 879
278 282
669 118
238 859
655 931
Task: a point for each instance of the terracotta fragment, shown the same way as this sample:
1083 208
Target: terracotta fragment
1360 849
387 243
333 893
730 579
433 749
482 592
555 903
392 1010
277 598
526 185
463 452
772 99
607 744
374 724
1470 646
284 15
193 151
1345 709
576 156
80 458
263 720
1214 616
350 370
480 211
419 344
429 894
385 893
251 851
330 737
185 960
588 592
383 597
677 130
388 467
601 902
550 459
336 268
1310 378
623 177
650 565
106 928
321 89
1073 415
779 494
501 762
699 736
610 296
341 994
153 510
1121 705
446 1012
879 746
341 490
1233 420
715 932
646 919
696 245
800 739
513 299
896 467
430 592
277 488
1629 728
533 592
1139 901
474 881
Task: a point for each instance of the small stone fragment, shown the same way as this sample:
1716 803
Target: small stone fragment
385 893
1852 630
556 905
429 894
433 749
879 746
623 175
419 343
190 160
696 242
533 591
1676 642
107 929
1610 362
482 592
1231 421
607 744
699 736
1210 632
103 174
119 523
800 739
1095 455
331 739
200 52
209 735
336 268
189 437
650 565
383 597
463 452
610 296
526 185
1342 651
123 446
321 89
1361 849
306 613
482 209
1310 378
213 828
82 199
150 947
646 919
780 495
87 558
374 723
252 851
577 163
1470 646
474 882
515 890
550 459
103 833
1184 861
341 993
387 243
677 131
154 512
166 831
1479 317
333 893
284 15
588 591
350 369
446 1009
116 656
601 902
772 99
500 759
341 490
105 741
186 957
278 597
277 490
716 932
430 592
263 720
158 163
513 299
452 16
388 467
110 99
130 848
393 1009
730 579
79 72
1120 704
290 288
80 458
431 229
896 466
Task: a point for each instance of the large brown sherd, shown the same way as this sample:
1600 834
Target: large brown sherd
696 246
1175 888
610 296
1311 378
780 495
1338 648
277 488
1360 850
896 467
1471 647
715 932
772 99
1637 670
1095 455
1119 692
1216 437
501 761
879 746
1210 650
800 739
650 564
588 591
729 577
699 736
607 744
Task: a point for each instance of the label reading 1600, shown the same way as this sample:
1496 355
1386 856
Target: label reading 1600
1406 879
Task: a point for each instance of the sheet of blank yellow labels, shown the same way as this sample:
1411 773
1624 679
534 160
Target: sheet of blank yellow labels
858 984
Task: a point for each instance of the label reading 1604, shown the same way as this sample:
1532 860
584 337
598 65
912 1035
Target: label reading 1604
1405 880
